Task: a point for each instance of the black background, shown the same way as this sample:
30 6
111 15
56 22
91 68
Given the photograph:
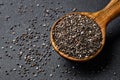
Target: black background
106 66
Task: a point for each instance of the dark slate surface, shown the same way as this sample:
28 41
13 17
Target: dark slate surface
30 16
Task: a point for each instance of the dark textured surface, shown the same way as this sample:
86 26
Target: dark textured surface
105 66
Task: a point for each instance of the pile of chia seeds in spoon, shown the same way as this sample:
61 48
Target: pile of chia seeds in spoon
77 36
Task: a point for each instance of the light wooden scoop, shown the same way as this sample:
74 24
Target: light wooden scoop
102 18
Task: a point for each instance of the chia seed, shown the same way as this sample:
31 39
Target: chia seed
77 36
74 9
51 75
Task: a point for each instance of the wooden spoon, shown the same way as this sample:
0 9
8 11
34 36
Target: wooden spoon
102 18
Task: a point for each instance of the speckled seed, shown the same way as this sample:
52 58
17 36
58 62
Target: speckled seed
51 75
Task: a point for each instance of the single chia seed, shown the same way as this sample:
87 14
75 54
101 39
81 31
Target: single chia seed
77 36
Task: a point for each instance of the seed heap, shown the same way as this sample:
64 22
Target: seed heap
77 36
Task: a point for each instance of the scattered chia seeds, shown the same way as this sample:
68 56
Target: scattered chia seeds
77 36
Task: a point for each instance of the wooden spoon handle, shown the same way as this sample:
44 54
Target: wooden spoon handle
111 11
